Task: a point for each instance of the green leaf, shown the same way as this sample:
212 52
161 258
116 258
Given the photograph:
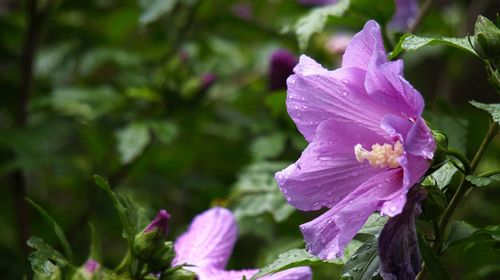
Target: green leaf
374 224
489 234
256 192
492 109
131 216
444 175
132 140
95 244
57 229
153 10
410 42
45 260
300 257
267 147
480 181
434 203
431 260
459 230
315 21
364 264
166 131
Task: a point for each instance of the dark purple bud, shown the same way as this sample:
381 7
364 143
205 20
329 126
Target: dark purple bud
159 223
317 2
281 67
91 266
242 10
207 80
398 244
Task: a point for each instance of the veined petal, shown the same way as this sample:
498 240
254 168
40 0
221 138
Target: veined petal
327 235
327 170
297 273
364 46
315 95
385 83
209 241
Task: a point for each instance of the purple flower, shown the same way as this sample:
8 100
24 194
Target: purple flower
207 80
243 10
398 244
160 223
368 144
337 44
317 2
406 13
207 245
280 67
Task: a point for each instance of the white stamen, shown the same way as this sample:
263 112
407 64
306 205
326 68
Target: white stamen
380 156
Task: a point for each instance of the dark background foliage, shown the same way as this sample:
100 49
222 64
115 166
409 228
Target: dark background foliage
124 89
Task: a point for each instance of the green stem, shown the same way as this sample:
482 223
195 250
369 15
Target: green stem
460 193
125 261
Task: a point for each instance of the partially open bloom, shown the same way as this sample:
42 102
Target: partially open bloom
281 66
368 144
207 245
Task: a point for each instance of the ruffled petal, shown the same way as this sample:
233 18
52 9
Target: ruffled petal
365 46
396 127
226 274
297 273
327 170
327 235
315 94
385 83
209 241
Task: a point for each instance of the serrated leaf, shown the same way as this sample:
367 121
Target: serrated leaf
364 263
374 224
410 42
132 140
444 175
492 109
129 213
45 260
431 260
256 192
480 181
57 229
487 234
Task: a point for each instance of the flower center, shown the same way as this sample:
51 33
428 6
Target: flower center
380 156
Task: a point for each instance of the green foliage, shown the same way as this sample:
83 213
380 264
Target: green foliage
132 140
46 262
431 260
409 42
482 181
492 109
373 225
364 263
256 192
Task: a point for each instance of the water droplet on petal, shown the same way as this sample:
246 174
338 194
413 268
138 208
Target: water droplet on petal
329 192
354 173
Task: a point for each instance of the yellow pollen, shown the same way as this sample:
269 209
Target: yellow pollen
380 156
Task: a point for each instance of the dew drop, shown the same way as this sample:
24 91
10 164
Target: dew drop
354 173
392 208
345 81
345 93
329 193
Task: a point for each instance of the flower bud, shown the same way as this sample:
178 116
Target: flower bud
441 148
487 38
179 274
281 67
88 271
150 244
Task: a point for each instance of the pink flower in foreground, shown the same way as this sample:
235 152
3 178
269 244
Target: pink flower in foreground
368 144
207 245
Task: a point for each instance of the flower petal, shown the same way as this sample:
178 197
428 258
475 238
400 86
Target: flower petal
327 170
420 141
398 245
365 45
327 235
385 83
315 94
297 273
209 241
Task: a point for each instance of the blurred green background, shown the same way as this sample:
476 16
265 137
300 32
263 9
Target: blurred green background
170 101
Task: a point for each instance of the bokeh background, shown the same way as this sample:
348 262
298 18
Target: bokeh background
172 102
